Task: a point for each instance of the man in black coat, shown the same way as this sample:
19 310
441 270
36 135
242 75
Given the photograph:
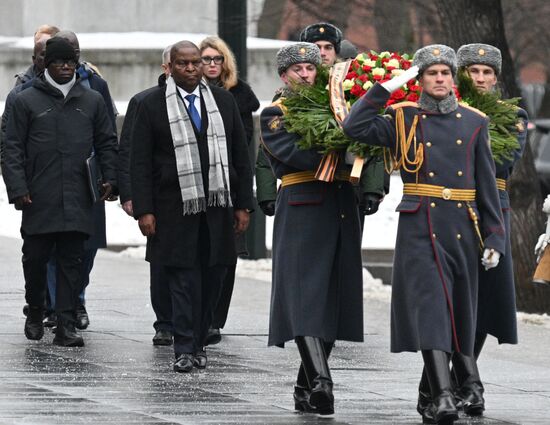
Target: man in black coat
88 77
160 292
53 128
192 190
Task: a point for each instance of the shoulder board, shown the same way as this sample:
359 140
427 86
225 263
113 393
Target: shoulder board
403 105
471 108
279 104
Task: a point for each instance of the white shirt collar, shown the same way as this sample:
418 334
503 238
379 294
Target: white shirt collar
184 93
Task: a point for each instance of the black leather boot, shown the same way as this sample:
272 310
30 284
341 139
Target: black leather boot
424 396
65 334
442 410
314 360
302 391
469 390
34 327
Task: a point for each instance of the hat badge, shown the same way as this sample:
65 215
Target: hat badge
481 52
436 52
303 51
322 30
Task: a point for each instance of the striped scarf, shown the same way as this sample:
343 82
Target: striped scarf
188 162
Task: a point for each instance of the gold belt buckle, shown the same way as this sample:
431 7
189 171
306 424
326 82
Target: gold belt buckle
446 193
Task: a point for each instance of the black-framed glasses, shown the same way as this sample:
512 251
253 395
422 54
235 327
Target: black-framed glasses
71 63
207 60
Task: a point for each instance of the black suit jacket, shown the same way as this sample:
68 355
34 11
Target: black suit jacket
155 186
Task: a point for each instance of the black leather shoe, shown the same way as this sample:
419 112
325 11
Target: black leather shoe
442 410
184 363
34 328
82 319
66 336
162 337
200 359
470 399
301 400
214 336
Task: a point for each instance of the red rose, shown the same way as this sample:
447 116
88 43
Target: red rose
367 68
356 90
399 94
351 75
405 65
363 78
390 102
377 77
390 68
412 97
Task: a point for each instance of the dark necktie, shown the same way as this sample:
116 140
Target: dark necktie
193 113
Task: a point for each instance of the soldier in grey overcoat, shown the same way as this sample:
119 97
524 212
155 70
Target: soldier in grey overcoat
450 208
317 274
496 313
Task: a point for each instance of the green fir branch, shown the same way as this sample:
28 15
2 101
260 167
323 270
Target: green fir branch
503 129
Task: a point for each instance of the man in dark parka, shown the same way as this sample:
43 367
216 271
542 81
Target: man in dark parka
190 204
316 296
449 208
53 127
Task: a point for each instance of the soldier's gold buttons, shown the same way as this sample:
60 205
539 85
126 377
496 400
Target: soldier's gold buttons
459 142
458 236
431 174
459 205
432 205
424 116
459 173
429 144
433 235
459 115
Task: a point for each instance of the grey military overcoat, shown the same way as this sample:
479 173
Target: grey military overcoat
317 272
497 295
435 272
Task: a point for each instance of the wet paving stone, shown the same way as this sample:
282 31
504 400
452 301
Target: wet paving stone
120 378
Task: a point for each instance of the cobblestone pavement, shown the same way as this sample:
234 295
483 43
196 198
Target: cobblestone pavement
119 377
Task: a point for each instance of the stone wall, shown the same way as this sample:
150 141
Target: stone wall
129 71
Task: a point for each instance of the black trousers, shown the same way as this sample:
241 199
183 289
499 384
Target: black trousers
69 250
194 292
160 298
222 306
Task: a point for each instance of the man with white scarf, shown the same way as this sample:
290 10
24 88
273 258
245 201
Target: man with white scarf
191 183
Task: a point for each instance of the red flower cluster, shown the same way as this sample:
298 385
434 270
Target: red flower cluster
369 68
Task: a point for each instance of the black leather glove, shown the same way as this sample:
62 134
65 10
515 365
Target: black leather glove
370 203
268 207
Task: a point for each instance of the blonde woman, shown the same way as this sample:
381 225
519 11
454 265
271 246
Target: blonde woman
220 69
